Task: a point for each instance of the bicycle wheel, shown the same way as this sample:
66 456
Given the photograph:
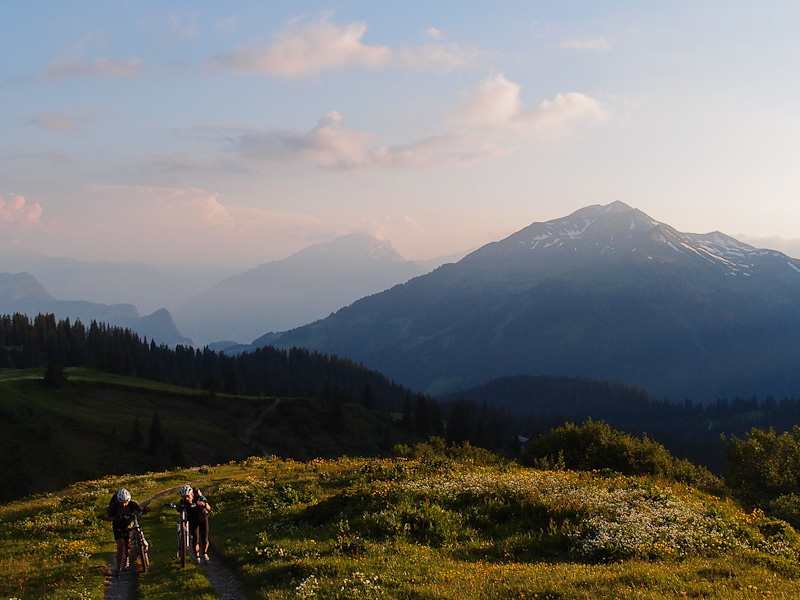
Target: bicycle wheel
183 543
142 549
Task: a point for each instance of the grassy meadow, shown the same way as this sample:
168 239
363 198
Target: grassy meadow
435 523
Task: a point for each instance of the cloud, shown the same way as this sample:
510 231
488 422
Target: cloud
191 224
433 34
301 51
328 144
496 104
192 207
15 211
304 50
492 122
64 121
586 44
101 68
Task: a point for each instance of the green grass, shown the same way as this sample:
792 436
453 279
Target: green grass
435 528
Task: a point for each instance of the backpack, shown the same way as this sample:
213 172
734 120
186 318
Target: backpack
113 505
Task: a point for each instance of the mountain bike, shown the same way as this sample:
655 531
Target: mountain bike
183 531
139 545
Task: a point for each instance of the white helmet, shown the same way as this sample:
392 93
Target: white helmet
186 490
123 496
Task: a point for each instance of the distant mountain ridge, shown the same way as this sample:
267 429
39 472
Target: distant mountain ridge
302 288
606 292
105 282
21 292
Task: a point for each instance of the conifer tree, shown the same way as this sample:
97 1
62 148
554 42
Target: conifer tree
156 442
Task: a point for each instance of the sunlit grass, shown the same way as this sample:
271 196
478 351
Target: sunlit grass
441 529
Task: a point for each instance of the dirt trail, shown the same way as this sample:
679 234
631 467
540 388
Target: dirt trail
223 580
220 577
258 420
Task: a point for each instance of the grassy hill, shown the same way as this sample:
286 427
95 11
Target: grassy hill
98 424
436 523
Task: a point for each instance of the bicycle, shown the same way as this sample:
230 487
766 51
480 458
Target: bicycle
183 531
139 545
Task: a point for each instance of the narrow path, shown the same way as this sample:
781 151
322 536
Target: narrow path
223 580
220 576
258 420
121 587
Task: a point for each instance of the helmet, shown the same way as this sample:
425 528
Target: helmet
186 490
124 496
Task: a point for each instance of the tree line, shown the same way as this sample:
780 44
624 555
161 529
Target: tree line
267 371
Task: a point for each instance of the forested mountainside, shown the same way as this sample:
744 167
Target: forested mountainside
265 371
606 293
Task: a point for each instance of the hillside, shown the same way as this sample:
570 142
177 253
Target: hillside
605 293
434 523
99 424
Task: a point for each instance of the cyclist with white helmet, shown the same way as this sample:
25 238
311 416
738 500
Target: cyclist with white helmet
197 508
120 512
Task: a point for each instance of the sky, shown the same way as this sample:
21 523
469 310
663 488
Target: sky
239 133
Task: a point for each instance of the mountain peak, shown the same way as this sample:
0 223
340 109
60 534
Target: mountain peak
352 246
21 286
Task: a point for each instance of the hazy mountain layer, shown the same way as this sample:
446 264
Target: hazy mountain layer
607 292
20 292
146 286
302 288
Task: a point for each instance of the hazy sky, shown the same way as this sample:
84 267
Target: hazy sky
238 133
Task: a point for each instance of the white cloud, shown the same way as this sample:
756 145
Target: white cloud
303 50
492 123
587 44
101 68
17 211
496 104
433 34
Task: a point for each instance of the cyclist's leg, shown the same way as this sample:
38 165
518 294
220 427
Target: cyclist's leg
126 537
193 532
203 530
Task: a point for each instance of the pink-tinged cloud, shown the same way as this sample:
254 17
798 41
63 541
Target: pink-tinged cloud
101 68
496 104
328 144
301 51
15 211
65 121
492 123
304 50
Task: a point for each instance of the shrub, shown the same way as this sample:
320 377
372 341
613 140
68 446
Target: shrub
595 446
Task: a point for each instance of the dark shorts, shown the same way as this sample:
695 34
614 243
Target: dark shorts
120 533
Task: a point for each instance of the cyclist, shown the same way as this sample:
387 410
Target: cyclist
120 512
197 508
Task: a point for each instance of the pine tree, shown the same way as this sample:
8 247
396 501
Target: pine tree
54 375
137 438
156 442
